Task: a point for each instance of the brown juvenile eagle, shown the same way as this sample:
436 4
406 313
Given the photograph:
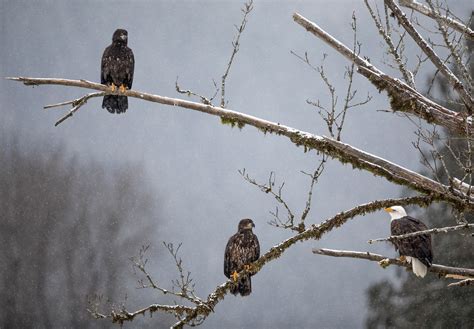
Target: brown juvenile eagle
117 71
417 249
241 250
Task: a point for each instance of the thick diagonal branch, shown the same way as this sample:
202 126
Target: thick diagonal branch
431 231
402 97
435 268
345 153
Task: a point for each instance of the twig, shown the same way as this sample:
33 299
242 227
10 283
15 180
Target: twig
314 179
407 75
430 231
204 100
449 21
269 188
435 268
335 149
235 44
185 284
76 103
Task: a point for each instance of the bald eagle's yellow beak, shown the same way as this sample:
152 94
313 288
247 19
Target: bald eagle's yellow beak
388 209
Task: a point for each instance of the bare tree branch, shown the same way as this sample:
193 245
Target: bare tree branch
435 268
235 44
430 231
402 97
123 315
449 21
269 187
434 58
204 100
335 149
76 105
453 46
392 49
462 283
185 284
314 179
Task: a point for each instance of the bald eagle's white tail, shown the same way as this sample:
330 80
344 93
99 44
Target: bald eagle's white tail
418 267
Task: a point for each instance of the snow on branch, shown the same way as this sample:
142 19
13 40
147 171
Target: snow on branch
402 97
449 21
462 283
430 231
343 152
435 268
462 186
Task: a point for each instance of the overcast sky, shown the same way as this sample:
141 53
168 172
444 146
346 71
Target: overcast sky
192 159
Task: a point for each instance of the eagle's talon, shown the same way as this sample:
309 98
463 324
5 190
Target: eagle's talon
403 259
235 276
247 267
113 87
122 88
384 262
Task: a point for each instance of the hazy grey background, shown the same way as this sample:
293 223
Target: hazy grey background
191 159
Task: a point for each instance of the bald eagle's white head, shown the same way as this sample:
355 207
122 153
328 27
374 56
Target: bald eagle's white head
396 212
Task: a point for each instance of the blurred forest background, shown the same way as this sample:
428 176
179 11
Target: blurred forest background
67 228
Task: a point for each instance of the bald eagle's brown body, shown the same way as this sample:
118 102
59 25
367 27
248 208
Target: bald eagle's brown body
117 68
418 246
242 249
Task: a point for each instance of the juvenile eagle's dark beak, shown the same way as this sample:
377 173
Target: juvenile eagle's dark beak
250 226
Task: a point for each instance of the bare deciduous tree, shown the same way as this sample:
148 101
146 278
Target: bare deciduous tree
446 53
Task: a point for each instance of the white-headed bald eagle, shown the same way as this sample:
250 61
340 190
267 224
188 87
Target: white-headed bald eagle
417 249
